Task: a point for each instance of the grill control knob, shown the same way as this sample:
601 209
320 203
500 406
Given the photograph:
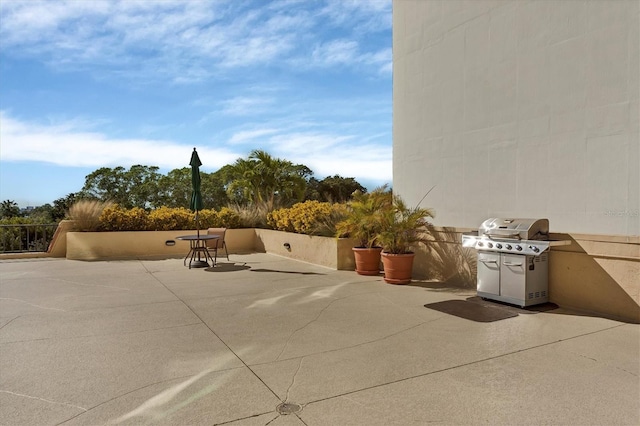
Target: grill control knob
490 245
534 248
480 243
508 246
498 246
519 248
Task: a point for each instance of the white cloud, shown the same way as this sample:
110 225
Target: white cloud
250 135
190 41
302 143
245 105
330 154
335 52
69 144
345 52
371 163
360 15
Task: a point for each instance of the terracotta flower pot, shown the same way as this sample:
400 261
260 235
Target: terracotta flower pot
397 267
367 260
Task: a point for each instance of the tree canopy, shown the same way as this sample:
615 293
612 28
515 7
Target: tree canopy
259 178
264 179
334 189
8 209
136 187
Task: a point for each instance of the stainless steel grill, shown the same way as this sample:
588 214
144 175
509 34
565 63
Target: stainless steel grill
513 259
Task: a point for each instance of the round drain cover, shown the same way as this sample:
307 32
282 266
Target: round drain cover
288 408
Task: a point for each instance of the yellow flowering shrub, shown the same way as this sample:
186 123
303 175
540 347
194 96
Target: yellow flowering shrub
302 218
280 220
115 218
225 218
207 218
228 218
169 219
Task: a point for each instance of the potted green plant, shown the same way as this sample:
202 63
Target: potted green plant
401 228
362 223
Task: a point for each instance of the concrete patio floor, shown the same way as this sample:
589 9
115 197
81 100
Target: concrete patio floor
152 342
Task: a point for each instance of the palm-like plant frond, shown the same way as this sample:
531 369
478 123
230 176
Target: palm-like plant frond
403 226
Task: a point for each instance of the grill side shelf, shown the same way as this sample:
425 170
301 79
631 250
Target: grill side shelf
554 243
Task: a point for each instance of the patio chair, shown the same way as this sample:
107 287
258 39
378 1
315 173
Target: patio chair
214 245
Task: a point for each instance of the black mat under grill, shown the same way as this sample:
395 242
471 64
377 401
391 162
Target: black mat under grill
471 310
535 309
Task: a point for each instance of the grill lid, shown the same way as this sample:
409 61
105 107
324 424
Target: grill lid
519 229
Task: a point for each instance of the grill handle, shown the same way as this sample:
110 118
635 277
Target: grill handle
512 264
489 261
503 234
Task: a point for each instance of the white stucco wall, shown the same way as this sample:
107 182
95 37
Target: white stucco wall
519 108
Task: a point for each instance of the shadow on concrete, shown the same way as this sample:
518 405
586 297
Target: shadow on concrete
536 309
286 272
228 267
477 312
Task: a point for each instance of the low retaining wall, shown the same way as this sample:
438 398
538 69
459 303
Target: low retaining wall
325 251
145 244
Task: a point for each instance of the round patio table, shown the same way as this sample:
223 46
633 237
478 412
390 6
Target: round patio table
198 249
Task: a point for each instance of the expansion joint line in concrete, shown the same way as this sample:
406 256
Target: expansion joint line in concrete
276 416
322 311
272 420
133 391
462 365
303 327
212 332
368 342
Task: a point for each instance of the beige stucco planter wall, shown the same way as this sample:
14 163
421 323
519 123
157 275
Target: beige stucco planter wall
326 251
144 244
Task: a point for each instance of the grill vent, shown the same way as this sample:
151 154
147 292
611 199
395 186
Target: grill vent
537 294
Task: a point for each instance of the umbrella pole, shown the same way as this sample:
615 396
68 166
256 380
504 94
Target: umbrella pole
197 224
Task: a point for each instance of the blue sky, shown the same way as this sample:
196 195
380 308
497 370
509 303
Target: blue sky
86 84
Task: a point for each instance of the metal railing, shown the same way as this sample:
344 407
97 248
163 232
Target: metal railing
26 237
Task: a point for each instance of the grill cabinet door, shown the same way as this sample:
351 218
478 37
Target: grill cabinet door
513 275
489 272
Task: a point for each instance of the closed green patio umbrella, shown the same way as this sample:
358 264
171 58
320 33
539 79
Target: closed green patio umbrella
196 196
